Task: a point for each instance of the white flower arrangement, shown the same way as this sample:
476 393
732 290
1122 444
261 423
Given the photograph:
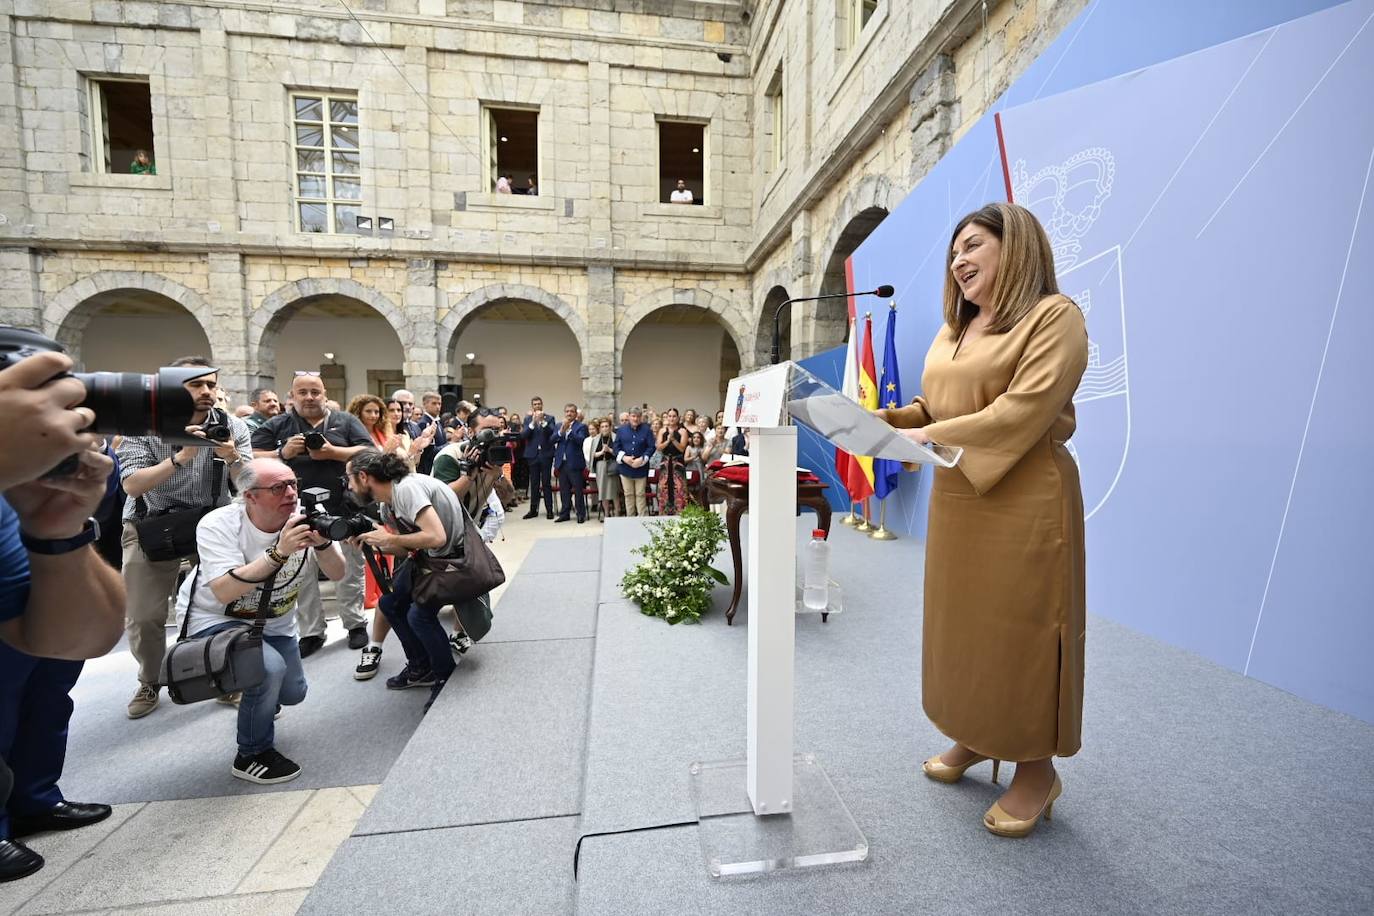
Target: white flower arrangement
675 578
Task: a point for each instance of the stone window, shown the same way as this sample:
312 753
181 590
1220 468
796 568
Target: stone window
850 18
512 148
778 110
681 156
328 162
121 124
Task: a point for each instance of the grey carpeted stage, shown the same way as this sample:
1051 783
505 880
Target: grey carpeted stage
1197 791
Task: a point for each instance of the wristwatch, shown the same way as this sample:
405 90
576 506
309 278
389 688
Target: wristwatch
52 547
175 463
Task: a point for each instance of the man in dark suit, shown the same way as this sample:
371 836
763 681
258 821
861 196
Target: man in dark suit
537 431
571 464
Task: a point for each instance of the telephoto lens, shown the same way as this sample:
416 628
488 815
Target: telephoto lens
124 403
314 441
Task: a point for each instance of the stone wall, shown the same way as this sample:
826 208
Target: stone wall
214 231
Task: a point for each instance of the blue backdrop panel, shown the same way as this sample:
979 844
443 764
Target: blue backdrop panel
1109 38
1210 212
1200 182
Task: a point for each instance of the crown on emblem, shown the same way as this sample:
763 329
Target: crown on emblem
1067 197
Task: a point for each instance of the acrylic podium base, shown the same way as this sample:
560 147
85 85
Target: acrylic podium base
817 830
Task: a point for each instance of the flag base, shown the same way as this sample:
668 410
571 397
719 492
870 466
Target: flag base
882 534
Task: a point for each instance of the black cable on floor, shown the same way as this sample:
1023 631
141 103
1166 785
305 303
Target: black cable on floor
577 851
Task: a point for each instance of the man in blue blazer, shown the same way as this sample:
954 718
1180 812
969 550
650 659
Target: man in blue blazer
570 464
634 446
537 431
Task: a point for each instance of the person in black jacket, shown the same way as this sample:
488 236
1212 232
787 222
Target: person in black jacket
537 432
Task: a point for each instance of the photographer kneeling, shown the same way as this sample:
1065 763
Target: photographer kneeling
432 518
261 536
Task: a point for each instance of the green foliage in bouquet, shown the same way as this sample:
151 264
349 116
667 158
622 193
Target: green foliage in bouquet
675 578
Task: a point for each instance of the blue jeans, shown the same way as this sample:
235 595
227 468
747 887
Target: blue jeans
422 636
284 683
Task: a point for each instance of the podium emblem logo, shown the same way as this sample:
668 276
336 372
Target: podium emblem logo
739 404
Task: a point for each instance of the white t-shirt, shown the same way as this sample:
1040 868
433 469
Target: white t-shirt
681 197
227 540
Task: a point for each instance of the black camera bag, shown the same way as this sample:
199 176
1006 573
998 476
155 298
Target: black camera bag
460 579
171 535
225 662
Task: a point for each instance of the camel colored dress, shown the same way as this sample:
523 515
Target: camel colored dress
1002 657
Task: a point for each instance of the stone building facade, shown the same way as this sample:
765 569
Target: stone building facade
816 117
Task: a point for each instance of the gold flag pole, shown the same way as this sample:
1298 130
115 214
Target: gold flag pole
881 533
851 519
863 523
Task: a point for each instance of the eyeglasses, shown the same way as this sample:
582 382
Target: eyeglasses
302 373
277 489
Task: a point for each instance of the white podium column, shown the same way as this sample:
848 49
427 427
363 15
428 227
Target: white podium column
772 565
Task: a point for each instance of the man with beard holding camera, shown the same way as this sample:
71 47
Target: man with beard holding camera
60 602
316 443
241 546
430 518
159 478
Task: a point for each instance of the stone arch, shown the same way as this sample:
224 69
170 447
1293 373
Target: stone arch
66 315
764 339
267 320
735 322
862 209
873 193
458 316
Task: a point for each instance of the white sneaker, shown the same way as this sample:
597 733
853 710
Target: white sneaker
458 644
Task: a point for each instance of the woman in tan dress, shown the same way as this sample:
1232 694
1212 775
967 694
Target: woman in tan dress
1002 656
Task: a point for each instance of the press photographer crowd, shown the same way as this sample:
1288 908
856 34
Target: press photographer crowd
124 493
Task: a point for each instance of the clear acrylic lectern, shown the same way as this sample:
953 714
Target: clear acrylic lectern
777 809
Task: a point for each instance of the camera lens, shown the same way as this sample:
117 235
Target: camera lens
314 441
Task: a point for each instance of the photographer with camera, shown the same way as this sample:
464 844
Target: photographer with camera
60 602
260 541
316 443
167 484
471 468
431 519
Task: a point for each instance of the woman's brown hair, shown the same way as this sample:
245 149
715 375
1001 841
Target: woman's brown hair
356 406
1025 270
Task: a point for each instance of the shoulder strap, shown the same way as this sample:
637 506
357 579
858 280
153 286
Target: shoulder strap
264 603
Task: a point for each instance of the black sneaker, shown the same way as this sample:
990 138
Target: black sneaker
367 667
459 644
357 637
409 677
309 645
265 768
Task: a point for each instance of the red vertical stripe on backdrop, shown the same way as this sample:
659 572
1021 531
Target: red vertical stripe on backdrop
1002 149
849 285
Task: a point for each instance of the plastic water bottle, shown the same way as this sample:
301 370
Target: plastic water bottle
816 573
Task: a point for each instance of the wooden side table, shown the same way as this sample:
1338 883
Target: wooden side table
735 495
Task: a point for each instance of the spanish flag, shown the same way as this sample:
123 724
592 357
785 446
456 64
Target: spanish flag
861 469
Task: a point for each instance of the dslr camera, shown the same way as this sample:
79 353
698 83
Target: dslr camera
314 440
315 502
125 403
487 448
216 426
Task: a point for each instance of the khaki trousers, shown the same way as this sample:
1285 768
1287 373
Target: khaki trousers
149 583
634 487
348 596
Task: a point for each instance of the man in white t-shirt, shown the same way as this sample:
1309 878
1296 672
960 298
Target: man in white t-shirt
682 195
260 535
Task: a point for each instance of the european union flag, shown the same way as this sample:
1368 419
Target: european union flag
886 472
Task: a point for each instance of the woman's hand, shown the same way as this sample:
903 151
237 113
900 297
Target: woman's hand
915 435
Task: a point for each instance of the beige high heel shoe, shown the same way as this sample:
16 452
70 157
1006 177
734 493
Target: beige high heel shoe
940 771
1003 824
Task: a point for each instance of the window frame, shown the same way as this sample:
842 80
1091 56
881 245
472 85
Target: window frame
331 200
705 126
857 23
491 145
777 102
96 117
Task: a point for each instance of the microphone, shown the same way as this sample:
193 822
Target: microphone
883 292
